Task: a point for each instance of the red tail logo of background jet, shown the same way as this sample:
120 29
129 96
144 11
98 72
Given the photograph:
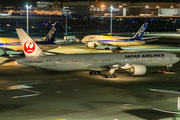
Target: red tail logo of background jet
29 46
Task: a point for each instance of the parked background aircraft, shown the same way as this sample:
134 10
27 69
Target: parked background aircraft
147 15
135 63
93 41
6 14
47 44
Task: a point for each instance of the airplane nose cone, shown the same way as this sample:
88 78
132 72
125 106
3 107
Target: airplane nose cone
82 40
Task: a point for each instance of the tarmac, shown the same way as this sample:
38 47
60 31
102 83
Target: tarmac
28 93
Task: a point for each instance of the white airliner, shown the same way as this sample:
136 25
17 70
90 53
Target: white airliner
6 14
93 41
135 63
147 15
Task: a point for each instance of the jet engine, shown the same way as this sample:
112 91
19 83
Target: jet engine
92 44
137 69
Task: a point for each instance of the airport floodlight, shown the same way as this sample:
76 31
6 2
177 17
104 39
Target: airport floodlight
111 20
146 6
27 18
157 7
92 5
103 6
120 6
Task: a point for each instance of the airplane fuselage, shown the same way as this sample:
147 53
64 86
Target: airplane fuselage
112 41
16 46
99 60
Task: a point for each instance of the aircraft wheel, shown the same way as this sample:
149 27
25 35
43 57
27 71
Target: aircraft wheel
95 72
91 72
99 72
118 48
106 48
114 76
111 76
106 76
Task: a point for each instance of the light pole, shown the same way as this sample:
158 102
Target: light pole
66 20
27 18
111 21
103 6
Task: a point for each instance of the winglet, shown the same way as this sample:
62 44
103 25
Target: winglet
30 48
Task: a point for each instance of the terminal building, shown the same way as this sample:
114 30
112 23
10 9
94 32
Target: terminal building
119 8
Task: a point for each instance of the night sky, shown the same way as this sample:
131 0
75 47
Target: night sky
33 2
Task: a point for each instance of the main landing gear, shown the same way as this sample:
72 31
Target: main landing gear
94 72
117 48
106 48
111 74
168 68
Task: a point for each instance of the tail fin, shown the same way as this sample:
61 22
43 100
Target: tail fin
10 12
30 48
139 35
52 33
152 13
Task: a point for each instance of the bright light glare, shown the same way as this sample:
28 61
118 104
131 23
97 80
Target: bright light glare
111 7
28 6
103 6
147 6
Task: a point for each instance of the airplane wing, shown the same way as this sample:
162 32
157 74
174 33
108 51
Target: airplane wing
102 43
104 67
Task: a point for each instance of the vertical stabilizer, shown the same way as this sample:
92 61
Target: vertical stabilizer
52 33
139 35
152 13
30 48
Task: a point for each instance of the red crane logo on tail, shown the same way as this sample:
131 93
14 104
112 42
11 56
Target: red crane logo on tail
29 46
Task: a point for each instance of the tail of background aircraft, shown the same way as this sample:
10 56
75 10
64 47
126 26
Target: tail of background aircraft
30 48
152 13
10 12
139 35
52 33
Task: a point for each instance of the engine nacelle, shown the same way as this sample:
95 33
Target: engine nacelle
137 70
92 44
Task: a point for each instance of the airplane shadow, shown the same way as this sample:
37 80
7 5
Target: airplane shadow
149 114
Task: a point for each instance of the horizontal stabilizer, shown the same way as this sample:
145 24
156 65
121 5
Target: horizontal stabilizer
164 91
